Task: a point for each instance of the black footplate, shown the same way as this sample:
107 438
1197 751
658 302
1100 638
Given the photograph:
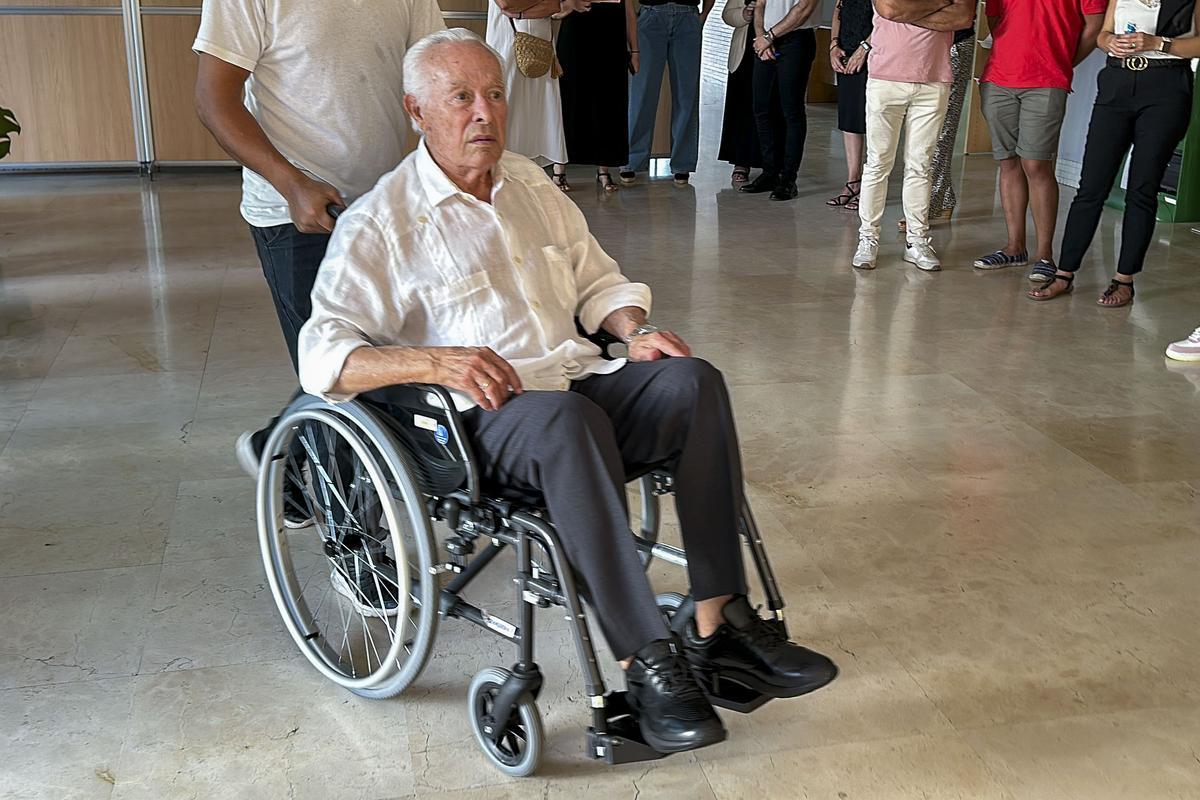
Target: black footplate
623 742
727 693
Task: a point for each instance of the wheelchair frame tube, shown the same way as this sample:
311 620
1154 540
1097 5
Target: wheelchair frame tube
535 526
761 563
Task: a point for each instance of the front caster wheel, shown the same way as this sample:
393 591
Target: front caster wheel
518 749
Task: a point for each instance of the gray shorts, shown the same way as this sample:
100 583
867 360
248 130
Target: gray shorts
1024 122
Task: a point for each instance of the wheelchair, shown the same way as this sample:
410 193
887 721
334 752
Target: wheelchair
374 484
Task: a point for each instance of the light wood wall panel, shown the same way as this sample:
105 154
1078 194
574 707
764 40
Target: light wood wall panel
64 3
171 73
65 79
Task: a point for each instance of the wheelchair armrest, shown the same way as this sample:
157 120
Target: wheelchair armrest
601 338
416 397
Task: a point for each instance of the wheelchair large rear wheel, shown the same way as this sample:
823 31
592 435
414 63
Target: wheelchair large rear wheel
355 587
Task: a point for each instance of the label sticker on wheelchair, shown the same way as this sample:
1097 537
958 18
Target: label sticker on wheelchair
441 434
425 423
498 625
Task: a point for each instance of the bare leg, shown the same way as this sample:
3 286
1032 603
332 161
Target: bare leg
1043 199
854 156
1014 196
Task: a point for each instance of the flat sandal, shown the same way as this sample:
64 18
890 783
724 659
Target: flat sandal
1069 281
1112 289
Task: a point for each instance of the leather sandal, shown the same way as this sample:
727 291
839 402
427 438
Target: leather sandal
1114 287
606 181
1047 286
560 180
847 197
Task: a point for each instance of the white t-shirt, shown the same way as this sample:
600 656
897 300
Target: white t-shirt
1135 15
776 10
325 85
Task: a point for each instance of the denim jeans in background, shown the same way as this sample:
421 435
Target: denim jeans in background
668 35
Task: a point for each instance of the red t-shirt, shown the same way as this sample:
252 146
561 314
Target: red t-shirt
1034 41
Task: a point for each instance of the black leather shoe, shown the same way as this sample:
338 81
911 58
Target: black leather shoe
765 182
785 191
754 652
673 713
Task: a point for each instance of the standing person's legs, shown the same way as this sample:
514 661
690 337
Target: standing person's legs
290 260
677 410
1110 133
765 94
644 87
887 102
926 112
1002 110
942 199
683 61
562 445
1157 129
1042 112
797 52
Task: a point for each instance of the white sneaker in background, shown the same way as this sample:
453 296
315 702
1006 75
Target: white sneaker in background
920 253
1186 349
866 254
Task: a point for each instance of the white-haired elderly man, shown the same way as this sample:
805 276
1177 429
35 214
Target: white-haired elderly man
465 266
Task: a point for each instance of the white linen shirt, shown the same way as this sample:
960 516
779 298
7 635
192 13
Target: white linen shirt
417 261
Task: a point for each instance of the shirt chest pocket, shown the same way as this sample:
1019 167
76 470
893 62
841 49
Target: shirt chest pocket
459 308
555 281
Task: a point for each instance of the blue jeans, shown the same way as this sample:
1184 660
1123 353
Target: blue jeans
668 35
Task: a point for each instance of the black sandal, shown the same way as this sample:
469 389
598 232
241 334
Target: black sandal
605 180
1068 280
560 180
740 176
1114 287
846 197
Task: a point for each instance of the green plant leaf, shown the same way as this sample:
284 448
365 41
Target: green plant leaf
8 126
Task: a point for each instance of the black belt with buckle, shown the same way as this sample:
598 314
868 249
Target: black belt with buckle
1139 63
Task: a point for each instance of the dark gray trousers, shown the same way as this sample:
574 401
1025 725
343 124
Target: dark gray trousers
577 447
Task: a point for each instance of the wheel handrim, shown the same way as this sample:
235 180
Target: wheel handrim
362 646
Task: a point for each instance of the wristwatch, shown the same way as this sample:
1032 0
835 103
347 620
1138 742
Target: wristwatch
1164 45
641 330
866 46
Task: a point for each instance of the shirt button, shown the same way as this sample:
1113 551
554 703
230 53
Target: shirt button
423 219
516 259
536 304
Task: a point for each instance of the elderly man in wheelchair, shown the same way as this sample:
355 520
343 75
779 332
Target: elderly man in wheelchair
453 377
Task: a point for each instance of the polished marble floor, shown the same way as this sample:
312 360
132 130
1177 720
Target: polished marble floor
987 509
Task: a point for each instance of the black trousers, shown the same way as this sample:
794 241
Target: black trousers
1150 111
290 260
576 447
784 81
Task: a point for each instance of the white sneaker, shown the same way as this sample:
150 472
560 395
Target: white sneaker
1186 349
920 253
247 457
866 254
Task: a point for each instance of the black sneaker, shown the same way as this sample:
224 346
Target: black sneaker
765 182
681 178
673 713
368 579
627 177
756 653
785 191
